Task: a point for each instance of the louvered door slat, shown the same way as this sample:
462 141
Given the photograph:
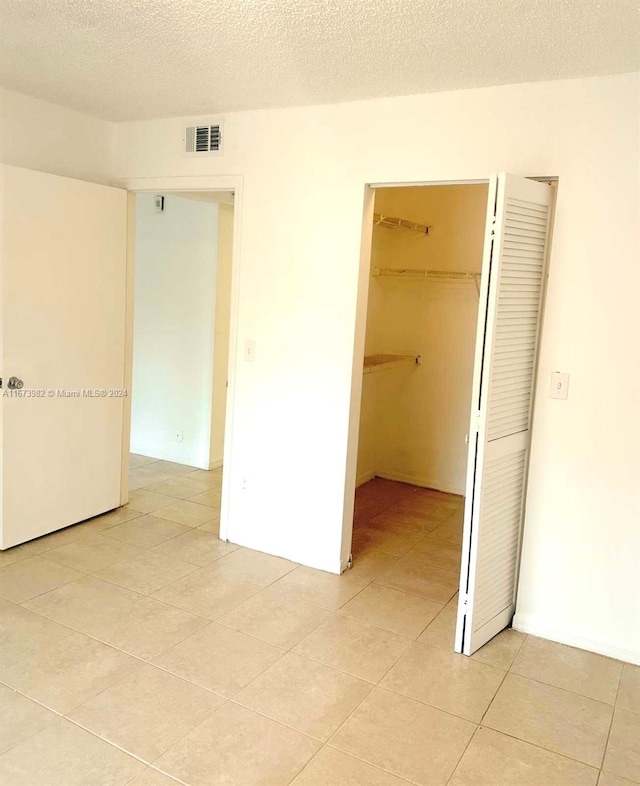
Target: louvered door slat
506 356
512 397
498 478
517 333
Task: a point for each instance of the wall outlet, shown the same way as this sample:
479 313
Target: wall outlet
178 436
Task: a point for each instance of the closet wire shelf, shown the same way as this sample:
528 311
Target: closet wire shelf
455 275
391 222
384 362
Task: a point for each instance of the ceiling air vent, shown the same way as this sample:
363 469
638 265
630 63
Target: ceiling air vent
203 139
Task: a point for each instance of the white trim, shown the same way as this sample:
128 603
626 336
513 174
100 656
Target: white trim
404 184
181 183
167 455
128 347
527 623
212 183
422 482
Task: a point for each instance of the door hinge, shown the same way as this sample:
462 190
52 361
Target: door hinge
477 419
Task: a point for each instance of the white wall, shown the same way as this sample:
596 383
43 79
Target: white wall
304 174
173 329
50 138
414 418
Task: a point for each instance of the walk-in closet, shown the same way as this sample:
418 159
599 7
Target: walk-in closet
426 261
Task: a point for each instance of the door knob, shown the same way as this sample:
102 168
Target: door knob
15 384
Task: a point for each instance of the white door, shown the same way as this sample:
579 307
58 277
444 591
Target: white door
62 333
513 275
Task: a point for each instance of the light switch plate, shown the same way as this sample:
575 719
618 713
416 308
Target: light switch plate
559 385
250 351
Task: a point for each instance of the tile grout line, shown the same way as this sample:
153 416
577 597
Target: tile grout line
558 687
401 778
613 712
520 739
78 725
374 686
540 747
329 742
142 661
234 701
466 748
528 742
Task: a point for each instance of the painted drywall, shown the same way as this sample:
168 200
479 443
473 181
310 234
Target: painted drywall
173 329
221 333
38 135
414 418
300 273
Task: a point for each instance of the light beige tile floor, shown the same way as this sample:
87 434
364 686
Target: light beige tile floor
137 649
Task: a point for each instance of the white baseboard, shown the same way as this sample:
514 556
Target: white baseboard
365 477
167 455
267 548
422 481
529 624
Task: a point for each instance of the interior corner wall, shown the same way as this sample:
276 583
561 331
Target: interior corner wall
299 277
414 419
37 135
221 333
173 329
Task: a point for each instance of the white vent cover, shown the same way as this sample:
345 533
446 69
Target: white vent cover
203 139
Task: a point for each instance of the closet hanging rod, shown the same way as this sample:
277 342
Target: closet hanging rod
408 273
391 222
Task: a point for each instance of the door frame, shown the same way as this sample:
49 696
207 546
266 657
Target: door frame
187 183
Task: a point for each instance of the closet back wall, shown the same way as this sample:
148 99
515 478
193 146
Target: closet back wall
414 419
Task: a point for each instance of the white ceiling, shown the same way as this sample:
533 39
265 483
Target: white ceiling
138 59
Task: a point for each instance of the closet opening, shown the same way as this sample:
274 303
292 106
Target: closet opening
421 321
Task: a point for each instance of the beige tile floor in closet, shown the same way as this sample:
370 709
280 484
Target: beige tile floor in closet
137 648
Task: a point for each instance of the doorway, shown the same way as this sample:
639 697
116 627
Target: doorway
426 261
456 284
180 354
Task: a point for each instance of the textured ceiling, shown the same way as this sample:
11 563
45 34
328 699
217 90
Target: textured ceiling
138 59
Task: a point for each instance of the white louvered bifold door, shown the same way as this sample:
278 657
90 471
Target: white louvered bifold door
513 277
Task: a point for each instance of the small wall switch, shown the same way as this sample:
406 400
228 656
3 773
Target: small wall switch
559 385
250 351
